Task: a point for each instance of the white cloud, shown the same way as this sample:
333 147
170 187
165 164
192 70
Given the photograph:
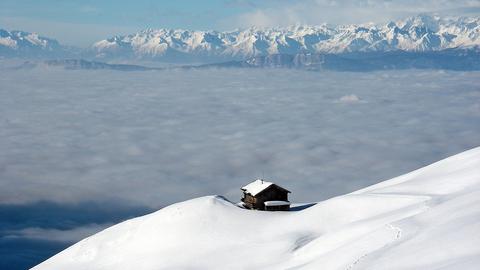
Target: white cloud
283 13
88 9
349 99
159 137
68 236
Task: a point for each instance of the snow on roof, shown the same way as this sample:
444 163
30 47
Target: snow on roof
276 203
256 186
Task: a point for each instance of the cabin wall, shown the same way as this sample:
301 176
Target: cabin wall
272 193
249 200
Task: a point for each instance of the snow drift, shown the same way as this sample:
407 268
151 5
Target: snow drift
426 219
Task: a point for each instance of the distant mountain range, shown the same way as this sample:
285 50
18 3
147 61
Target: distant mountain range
31 45
77 64
422 41
449 59
422 33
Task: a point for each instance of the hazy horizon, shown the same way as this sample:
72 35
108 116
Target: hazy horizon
81 23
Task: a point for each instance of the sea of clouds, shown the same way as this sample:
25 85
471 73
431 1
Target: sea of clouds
138 141
154 138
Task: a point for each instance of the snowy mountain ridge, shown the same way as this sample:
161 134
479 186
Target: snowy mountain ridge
422 33
419 33
20 43
426 219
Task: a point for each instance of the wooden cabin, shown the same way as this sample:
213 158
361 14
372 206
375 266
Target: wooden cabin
264 195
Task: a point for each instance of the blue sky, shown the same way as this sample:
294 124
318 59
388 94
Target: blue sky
82 22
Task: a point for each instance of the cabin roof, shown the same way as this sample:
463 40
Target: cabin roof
258 186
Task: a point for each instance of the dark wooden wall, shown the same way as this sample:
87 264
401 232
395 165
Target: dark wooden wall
272 193
278 208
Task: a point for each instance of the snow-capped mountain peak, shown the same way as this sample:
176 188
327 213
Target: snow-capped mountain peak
25 44
20 38
420 33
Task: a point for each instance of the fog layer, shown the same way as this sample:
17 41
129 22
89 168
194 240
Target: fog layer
154 138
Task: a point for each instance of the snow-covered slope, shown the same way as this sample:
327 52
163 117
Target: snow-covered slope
420 33
19 43
426 219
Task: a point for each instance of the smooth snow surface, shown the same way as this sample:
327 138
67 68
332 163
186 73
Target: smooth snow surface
426 219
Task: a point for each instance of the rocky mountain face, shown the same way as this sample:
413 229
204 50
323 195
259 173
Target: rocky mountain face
449 59
423 33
